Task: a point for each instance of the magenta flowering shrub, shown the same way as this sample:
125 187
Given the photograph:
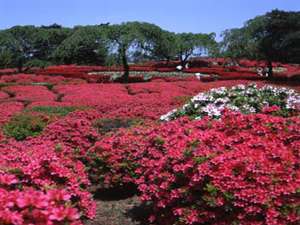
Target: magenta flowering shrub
243 169
74 130
30 93
32 206
8 109
240 170
146 100
39 184
3 95
113 160
25 79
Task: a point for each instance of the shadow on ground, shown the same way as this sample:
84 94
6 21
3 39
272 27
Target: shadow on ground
119 206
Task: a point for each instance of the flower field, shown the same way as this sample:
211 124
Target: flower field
194 152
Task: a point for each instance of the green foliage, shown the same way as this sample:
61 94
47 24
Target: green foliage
86 45
24 125
37 63
274 36
278 35
189 44
245 99
104 126
54 110
29 46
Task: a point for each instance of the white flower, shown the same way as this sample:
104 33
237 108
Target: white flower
222 100
213 102
202 97
184 107
212 110
219 91
199 75
233 107
179 67
293 101
167 117
239 87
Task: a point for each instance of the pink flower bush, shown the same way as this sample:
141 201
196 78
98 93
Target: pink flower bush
75 130
3 95
30 93
243 169
39 184
9 108
32 206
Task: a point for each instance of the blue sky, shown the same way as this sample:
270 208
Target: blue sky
174 15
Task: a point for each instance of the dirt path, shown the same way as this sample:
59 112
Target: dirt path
119 208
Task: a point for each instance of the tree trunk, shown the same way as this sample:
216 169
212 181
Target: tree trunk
270 69
168 60
20 65
184 60
125 76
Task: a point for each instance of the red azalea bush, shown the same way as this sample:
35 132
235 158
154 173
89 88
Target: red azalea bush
30 93
146 100
7 109
26 79
7 71
242 169
32 206
74 130
3 95
40 185
114 159
49 104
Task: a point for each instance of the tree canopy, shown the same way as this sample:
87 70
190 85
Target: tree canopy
22 46
274 36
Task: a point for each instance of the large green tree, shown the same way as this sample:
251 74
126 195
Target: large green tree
278 36
134 39
47 39
86 45
190 44
18 41
26 46
274 36
8 50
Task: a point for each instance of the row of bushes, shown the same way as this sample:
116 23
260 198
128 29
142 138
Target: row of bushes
240 169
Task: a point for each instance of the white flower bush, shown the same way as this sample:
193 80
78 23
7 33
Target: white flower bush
240 98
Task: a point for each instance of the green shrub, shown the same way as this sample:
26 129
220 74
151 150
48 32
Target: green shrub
25 125
107 125
46 84
55 110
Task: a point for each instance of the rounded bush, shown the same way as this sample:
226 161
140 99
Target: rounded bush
242 169
25 125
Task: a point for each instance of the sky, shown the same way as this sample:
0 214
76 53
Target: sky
198 16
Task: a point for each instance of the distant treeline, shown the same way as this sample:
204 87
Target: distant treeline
98 44
274 36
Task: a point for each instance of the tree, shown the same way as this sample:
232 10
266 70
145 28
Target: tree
18 41
123 38
30 46
47 39
155 43
235 44
87 45
274 36
189 44
278 36
8 55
